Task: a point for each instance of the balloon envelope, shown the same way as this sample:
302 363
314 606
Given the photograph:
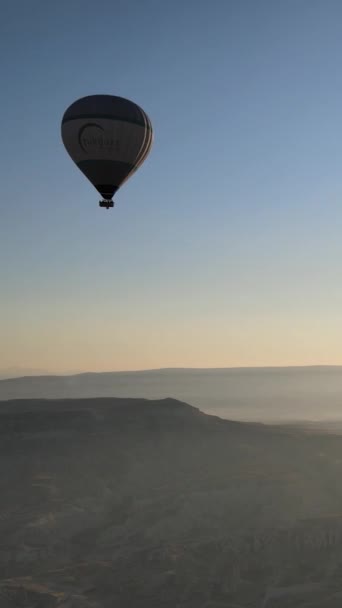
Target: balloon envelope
108 138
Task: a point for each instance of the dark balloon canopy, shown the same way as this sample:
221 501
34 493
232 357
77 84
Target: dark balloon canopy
108 138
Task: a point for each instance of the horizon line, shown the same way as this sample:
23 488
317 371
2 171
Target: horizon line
42 374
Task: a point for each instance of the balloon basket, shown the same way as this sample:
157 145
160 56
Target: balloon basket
106 204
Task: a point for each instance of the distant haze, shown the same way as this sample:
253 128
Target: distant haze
256 394
19 372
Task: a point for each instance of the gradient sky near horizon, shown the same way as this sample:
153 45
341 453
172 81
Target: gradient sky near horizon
225 248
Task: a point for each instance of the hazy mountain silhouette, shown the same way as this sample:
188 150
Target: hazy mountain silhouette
16 372
260 394
133 503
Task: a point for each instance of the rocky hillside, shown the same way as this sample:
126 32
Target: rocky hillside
135 503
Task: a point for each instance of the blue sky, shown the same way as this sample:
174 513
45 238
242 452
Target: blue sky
225 247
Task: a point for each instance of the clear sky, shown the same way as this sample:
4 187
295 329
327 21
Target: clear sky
225 247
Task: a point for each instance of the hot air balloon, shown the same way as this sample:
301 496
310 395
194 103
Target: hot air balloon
108 138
